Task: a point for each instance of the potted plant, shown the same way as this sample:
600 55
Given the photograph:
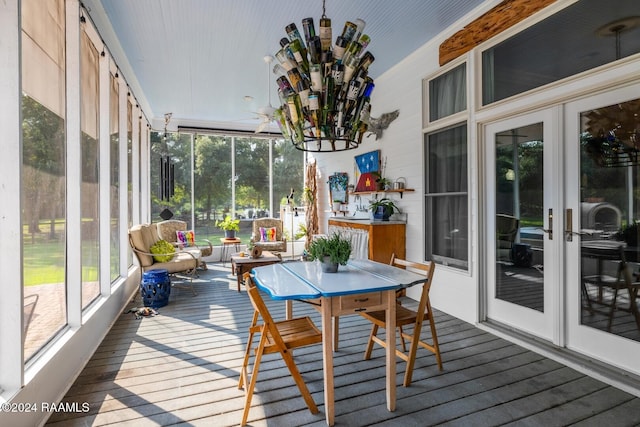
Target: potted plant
382 183
383 208
230 226
330 251
335 206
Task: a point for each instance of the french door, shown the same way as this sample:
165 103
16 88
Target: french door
563 225
603 208
524 240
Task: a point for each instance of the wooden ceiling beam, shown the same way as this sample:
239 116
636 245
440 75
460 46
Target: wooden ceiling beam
496 20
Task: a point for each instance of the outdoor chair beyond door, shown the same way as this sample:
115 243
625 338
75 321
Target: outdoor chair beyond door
506 233
407 317
613 274
275 337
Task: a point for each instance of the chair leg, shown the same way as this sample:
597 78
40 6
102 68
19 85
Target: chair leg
585 296
411 358
367 352
254 377
633 305
612 309
295 373
434 337
189 274
404 343
247 353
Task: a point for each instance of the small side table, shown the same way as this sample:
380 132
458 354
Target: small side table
242 264
225 247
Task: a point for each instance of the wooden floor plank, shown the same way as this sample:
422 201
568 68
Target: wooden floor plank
182 366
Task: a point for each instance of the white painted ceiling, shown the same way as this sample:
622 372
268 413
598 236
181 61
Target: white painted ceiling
198 59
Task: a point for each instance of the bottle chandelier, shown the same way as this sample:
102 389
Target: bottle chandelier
324 86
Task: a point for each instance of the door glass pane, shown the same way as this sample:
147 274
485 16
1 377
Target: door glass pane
519 218
610 211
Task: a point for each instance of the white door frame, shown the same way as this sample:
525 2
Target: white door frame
606 347
548 325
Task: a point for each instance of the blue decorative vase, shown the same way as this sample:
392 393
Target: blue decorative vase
155 288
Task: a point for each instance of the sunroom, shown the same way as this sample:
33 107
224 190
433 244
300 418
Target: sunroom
505 132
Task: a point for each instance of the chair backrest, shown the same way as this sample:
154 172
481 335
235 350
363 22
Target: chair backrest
260 307
267 223
141 238
167 229
420 268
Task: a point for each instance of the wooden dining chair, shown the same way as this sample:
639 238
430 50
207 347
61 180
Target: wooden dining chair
275 337
407 317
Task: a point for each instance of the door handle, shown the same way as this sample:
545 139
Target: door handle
549 230
568 227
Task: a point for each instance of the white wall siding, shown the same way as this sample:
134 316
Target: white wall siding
454 291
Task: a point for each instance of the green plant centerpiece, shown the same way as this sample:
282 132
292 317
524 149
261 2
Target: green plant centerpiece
383 208
230 226
330 251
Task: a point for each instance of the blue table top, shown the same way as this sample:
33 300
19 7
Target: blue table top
305 280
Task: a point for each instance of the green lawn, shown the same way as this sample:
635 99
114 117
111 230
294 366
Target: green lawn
44 254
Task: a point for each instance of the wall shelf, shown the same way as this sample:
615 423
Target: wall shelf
357 193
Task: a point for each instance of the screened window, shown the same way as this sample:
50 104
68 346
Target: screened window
130 170
114 188
446 198
583 36
243 177
251 178
89 193
43 178
172 152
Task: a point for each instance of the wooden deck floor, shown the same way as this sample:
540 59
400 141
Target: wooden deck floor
181 368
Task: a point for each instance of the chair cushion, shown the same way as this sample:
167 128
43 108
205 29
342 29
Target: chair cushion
142 237
277 246
182 261
186 238
267 234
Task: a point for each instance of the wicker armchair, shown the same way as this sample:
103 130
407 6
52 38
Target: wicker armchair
280 243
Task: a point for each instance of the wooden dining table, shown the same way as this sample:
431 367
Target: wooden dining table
361 285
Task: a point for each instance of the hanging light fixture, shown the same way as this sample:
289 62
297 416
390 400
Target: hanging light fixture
324 86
